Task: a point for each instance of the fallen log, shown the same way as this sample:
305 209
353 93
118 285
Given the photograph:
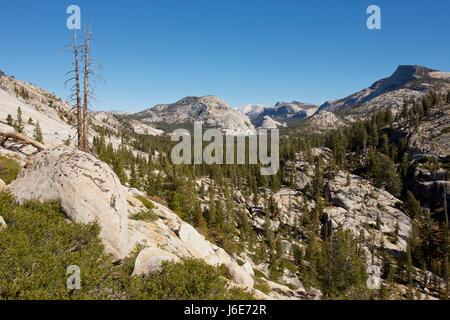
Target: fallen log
23 139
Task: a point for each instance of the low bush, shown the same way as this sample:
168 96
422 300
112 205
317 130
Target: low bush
190 279
144 215
9 168
147 203
40 243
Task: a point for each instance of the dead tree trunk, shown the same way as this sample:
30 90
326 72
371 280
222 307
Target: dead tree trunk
78 93
88 70
90 66
4 135
86 94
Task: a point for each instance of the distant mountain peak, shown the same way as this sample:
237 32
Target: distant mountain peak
403 75
212 110
408 82
282 112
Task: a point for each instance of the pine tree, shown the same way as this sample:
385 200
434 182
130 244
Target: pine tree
312 256
390 284
341 269
388 118
118 168
268 232
19 122
199 220
378 222
373 134
219 222
413 206
445 265
174 202
38 133
134 181
298 256
396 231
384 144
409 274
404 164
383 294
9 120
384 173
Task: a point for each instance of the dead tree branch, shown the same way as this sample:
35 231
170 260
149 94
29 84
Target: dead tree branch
22 138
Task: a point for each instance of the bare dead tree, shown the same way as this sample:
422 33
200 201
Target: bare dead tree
75 96
91 67
90 74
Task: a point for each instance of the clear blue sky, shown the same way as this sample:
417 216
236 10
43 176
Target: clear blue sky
242 51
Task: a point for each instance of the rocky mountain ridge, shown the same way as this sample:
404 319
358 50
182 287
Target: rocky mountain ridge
282 113
408 82
211 110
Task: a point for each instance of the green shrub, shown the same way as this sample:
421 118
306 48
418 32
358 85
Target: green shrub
290 266
144 215
37 247
190 279
39 243
291 286
259 274
147 203
262 286
9 168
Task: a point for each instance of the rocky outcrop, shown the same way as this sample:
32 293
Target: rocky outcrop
432 137
428 152
192 238
175 239
143 128
431 187
239 275
253 110
268 123
187 244
87 189
270 117
281 292
324 121
291 110
2 185
214 255
3 224
151 259
362 208
248 268
213 111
